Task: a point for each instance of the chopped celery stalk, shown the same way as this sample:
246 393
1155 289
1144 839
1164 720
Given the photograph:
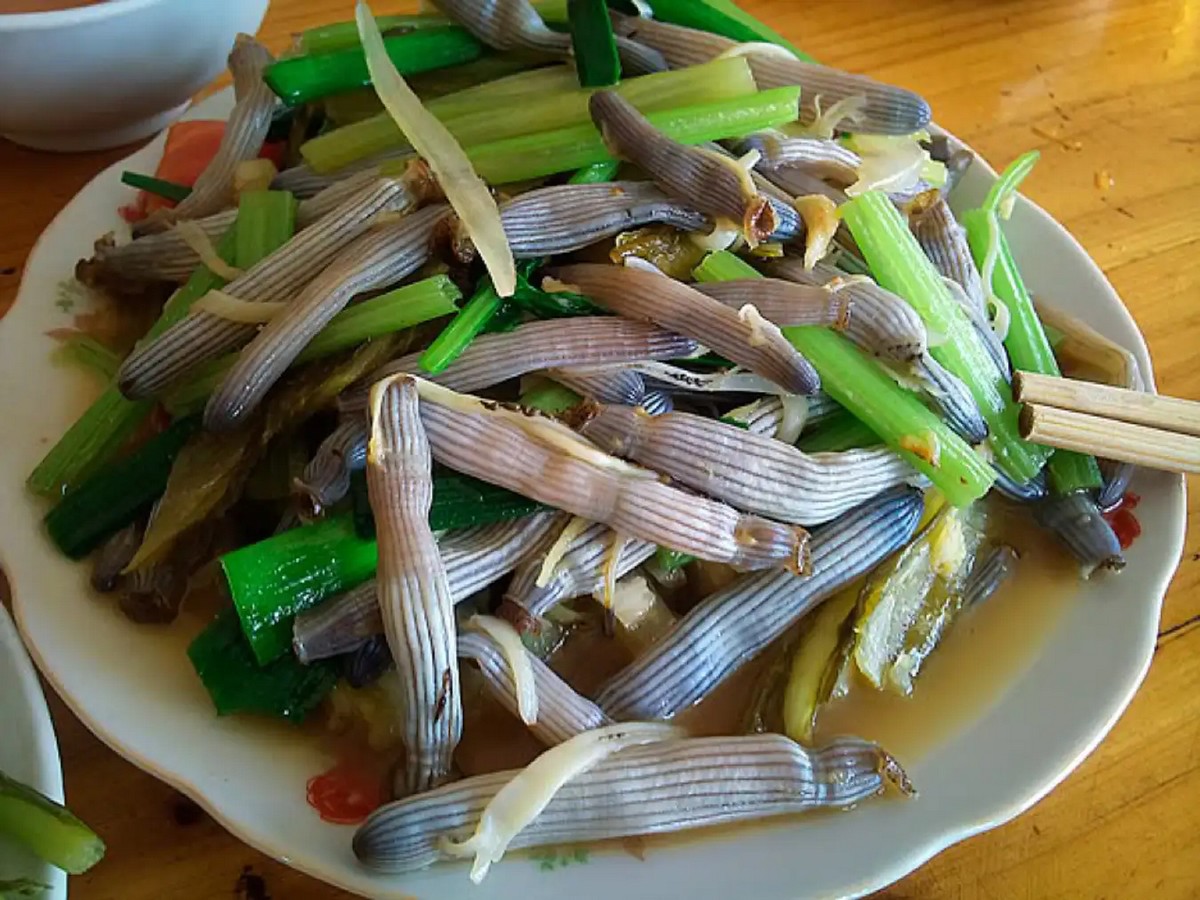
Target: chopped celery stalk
465 327
238 683
344 35
488 114
274 579
550 397
88 353
267 221
596 173
859 384
1027 343
116 495
722 17
596 57
841 431
898 264
111 419
158 186
816 663
394 311
302 79
672 560
46 828
547 153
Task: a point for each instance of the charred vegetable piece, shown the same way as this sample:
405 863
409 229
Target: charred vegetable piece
116 495
237 682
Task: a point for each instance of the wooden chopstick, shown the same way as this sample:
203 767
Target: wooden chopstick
1110 422
1110 439
1166 413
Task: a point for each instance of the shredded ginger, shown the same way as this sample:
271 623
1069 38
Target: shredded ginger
517 658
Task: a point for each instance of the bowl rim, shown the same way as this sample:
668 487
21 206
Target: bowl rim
951 832
79 15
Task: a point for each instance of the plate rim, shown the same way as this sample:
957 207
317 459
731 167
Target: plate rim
904 862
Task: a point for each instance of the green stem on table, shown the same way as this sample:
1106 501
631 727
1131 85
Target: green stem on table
899 265
489 112
860 385
157 186
388 313
302 79
539 155
1027 343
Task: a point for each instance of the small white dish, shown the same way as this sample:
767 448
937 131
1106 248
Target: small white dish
112 73
134 687
28 751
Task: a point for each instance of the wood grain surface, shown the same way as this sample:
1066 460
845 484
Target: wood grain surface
1107 90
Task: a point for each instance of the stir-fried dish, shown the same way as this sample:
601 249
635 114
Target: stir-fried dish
559 365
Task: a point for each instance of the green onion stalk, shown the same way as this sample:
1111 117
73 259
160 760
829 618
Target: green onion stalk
1027 343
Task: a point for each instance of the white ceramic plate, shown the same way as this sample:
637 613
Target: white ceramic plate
28 751
134 686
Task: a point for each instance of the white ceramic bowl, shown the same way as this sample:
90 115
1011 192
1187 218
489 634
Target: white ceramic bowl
134 686
108 74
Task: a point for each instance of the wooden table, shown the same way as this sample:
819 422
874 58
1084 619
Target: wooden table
1106 89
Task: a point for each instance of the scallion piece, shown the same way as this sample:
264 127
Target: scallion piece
239 683
88 353
597 173
1027 343
388 313
596 57
116 495
344 35
274 579
841 431
722 17
859 384
672 560
898 264
539 155
157 186
466 326
302 79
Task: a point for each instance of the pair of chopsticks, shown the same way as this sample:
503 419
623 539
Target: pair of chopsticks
1110 422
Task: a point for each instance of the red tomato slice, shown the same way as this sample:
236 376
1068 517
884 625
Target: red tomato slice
345 795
